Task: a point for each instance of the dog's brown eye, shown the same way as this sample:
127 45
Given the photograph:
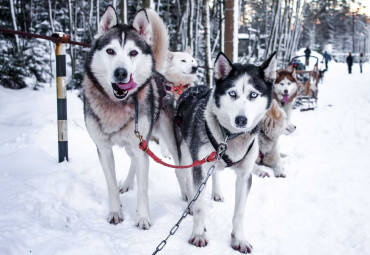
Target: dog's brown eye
133 53
110 51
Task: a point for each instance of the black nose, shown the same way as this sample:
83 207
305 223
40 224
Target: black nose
286 91
194 69
120 74
241 121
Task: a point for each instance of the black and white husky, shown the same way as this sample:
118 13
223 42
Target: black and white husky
232 110
121 66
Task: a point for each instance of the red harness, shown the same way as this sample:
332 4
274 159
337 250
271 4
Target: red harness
177 89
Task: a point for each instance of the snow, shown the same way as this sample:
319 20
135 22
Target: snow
322 207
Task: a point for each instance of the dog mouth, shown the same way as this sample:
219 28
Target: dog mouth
285 98
120 90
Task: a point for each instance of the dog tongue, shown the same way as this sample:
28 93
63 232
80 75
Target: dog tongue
127 86
285 98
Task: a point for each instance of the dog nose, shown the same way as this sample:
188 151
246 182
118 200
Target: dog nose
194 69
241 121
286 91
120 74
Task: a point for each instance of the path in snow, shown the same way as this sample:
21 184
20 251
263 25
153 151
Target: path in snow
322 207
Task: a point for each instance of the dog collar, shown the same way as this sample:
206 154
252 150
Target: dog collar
215 145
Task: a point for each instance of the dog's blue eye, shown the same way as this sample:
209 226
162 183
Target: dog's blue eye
183 60
110 51
232 94
253 95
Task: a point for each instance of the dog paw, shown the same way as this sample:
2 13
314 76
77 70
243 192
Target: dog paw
115 217
280 175
125 187
217 197
143 223
198 240
261 173
184 197
240 245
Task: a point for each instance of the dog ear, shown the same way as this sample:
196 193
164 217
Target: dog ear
108 20
294 75
170 55
269 68
142 25
188 50
222 67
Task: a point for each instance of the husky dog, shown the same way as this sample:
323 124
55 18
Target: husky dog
286 89
119 68
274 124
231 111
181 71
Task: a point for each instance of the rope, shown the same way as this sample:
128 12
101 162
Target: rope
65 39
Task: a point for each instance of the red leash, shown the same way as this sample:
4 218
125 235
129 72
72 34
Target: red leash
143 145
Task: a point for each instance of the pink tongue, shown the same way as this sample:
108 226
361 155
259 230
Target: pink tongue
285 98
127 86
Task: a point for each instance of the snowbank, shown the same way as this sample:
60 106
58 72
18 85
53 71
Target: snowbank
322 207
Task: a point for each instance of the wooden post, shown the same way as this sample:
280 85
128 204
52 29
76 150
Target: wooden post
61 97
231 29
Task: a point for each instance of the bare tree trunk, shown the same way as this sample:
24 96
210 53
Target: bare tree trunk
73 62
207 39
222 26
197 28
97 14
229 29
190 26
124 11
14 24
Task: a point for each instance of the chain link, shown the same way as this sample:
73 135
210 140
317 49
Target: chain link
220 151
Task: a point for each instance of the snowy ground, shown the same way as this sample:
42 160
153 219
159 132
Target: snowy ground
322 207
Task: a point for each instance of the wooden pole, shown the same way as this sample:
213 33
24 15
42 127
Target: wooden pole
61 98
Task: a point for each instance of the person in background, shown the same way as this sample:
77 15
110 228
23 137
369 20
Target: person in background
327 58
307 53
349 61
361 60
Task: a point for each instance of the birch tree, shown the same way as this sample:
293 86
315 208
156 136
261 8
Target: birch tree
14 24
207 40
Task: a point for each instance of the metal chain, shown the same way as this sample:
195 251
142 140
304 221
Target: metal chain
220 151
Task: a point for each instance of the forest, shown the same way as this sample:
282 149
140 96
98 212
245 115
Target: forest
247 31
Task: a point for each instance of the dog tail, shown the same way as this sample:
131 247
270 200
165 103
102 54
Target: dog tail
160 40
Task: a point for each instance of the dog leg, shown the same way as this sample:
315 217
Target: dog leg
216 187
198 236
142 161
181 178
279 170
107 162
243 185
128 184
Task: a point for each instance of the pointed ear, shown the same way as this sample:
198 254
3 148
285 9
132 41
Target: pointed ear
290 68
188 49
169 55
108 20
294 75
142 25
269 68
222 67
